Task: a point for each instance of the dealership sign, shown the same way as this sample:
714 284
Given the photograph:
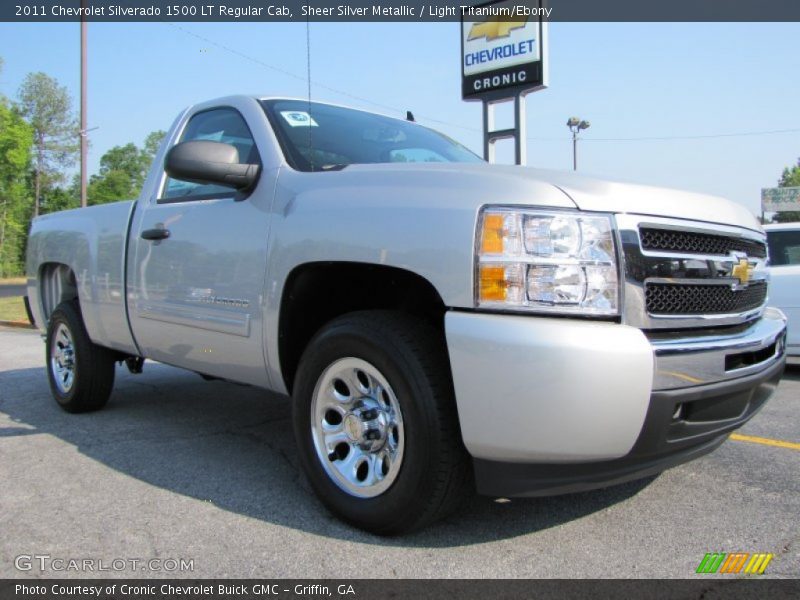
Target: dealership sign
780 199
502 49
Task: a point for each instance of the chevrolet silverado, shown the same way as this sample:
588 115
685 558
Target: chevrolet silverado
441 324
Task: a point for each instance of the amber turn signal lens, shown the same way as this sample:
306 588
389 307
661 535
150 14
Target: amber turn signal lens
492 237
492 283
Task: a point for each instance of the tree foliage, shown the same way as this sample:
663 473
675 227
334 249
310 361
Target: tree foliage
16 140
39 142
47 106
123 170
57 197
789 178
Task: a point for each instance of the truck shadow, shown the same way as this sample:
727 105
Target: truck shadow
233 446
792 372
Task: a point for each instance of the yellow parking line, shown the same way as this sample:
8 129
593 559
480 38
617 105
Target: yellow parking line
765 441
682 376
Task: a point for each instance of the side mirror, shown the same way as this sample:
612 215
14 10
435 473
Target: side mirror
202 161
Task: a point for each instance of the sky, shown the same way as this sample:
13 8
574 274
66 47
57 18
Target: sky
631 80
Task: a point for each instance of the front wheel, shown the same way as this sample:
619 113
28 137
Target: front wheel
376 425
81 373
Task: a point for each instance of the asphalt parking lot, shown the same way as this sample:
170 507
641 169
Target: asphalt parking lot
9 290
179 468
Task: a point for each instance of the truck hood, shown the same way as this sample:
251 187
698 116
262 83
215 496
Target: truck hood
602 195
586 193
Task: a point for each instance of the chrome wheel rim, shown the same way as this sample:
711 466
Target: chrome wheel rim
62 359
357 427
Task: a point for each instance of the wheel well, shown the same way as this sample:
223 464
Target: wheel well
316 293
57 284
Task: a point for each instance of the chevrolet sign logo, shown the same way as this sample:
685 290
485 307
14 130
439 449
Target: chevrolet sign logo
493 30
742 271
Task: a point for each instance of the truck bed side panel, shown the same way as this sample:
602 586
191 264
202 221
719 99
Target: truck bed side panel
91 242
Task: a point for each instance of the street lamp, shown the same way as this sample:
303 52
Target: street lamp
575 125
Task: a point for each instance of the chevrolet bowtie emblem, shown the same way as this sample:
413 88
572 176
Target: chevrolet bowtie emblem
492 30
742 271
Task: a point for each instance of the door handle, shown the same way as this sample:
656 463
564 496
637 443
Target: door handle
155 234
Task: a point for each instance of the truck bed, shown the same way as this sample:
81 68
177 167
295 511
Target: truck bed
91 242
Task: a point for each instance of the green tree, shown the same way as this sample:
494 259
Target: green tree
111 187
56 197
47 106
16 140
123 170
152 142
789 178
128 159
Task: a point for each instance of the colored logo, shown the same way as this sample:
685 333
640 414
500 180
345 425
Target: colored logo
734 562
742 271
492 30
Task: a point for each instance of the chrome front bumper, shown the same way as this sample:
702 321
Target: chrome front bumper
551 406
719 355
548 390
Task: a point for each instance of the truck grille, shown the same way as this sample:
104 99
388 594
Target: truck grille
689 242
698 299
686 274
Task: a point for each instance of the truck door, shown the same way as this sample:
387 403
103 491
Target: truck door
196 290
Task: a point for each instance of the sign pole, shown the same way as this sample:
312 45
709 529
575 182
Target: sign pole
517 132
488 127
503 58
521 154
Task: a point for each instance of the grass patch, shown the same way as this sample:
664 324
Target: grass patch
13 309
13 280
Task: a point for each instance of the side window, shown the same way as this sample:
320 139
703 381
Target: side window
217 125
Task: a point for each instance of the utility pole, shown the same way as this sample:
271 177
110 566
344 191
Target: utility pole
575 125
84 125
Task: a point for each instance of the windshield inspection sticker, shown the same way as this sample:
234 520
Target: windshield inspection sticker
298 118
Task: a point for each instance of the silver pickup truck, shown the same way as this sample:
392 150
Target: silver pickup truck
441 324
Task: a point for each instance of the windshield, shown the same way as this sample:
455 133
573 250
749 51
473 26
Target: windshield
320 137
784 247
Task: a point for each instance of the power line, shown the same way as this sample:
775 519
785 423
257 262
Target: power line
402 111
668 137
695 137
317 84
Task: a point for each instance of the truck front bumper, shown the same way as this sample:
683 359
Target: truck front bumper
551 406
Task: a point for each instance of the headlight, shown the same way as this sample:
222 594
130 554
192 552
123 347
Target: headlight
549 261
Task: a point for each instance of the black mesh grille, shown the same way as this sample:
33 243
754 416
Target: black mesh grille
687 242
691 299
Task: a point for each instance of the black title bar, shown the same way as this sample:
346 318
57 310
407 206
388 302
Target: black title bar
394 589
390 10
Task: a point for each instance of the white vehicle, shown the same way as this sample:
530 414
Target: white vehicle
784 290
432 317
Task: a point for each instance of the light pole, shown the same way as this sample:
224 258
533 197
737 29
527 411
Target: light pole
575 125
83 131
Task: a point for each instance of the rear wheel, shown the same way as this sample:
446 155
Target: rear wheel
376 424
81 373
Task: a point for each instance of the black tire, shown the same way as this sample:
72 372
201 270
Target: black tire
435 471
92 365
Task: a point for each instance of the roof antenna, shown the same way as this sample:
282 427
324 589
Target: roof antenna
410 116
308 66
